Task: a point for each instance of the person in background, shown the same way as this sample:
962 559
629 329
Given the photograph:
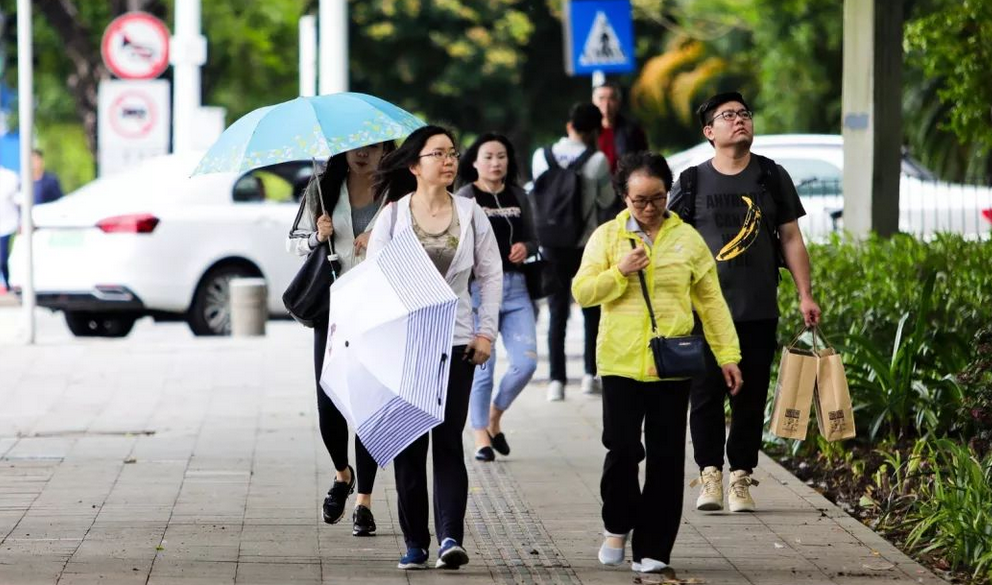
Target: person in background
489 172
46 184
680 276
346 185
579 143
619 134
459 240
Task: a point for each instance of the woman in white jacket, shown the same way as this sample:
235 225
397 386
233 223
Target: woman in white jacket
347 188
458 238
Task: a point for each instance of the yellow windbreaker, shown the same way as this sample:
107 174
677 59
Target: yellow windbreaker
680 276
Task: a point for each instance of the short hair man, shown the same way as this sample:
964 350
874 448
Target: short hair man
746 208
582 130
619 135
46 184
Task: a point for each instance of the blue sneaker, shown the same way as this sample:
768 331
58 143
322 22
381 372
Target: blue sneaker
451 555
415 558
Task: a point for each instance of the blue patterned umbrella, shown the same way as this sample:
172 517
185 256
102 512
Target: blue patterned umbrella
306 128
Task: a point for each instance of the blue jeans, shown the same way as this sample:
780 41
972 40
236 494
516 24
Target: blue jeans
517 329
4 253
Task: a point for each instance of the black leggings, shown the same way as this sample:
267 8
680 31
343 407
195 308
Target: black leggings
334 427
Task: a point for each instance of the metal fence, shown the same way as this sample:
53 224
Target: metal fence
925 208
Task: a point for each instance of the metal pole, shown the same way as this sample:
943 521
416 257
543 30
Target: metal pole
188 51
333 46
308 55
25 113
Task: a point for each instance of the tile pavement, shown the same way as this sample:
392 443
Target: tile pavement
164 458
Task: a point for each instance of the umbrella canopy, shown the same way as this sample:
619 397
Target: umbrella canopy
305 128
390 330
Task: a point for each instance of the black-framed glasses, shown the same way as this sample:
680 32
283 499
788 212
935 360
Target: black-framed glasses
441 155
731 115
641 203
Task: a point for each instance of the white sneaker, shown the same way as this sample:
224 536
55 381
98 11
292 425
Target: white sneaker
592 384
740 494
613 556
648 566
556 391
711 494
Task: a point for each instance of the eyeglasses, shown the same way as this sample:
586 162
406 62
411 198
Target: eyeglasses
641 203
441 155
731 115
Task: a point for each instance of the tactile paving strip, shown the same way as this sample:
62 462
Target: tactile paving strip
516 548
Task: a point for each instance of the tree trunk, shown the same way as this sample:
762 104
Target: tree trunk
88 67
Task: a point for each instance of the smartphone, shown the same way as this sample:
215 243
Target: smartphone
469 354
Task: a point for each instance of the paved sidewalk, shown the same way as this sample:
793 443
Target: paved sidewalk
165 458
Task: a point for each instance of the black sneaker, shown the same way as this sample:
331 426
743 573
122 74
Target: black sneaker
336 499
500 444
485 454
363 522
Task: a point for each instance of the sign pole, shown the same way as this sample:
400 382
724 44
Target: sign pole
25 112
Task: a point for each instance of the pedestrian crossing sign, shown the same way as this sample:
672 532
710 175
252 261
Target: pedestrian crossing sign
599 36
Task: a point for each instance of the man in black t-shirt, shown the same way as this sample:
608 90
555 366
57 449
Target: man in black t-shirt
746 208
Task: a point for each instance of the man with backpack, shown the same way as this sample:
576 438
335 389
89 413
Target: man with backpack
571 185
746 208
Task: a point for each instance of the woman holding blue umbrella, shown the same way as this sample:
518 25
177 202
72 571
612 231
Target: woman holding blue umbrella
346 186
458 238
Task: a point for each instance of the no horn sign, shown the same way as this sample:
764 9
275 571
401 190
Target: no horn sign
136 46
599 36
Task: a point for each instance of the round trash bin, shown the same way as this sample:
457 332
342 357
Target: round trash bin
249 306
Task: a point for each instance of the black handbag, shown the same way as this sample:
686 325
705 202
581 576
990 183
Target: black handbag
674 357
539 276
308 296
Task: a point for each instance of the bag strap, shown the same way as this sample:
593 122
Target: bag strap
644 291
393 211
580 162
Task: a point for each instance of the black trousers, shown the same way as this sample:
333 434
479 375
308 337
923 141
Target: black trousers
654 512
333 425
747 410
450 475
565 263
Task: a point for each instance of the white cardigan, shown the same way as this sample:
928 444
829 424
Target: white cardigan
303 237
477 252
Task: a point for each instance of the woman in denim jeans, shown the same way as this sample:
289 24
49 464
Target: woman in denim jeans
488 171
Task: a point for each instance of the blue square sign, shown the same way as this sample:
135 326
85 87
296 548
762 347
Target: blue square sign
599 36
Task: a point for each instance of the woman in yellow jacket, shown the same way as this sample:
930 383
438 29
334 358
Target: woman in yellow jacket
681 276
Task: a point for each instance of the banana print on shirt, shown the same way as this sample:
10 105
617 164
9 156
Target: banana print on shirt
746 236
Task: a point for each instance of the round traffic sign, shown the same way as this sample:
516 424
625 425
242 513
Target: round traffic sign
136 46
133 114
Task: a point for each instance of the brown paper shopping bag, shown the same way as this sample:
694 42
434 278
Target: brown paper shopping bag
794 392
834 411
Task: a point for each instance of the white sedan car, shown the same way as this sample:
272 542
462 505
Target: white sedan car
816 161
153 241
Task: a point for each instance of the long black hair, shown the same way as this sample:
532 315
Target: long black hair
393 178
336 173
467 173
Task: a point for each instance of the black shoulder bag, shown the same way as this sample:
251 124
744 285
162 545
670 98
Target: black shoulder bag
674 357
308 296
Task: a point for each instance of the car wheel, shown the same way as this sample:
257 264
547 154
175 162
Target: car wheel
87 324
210 313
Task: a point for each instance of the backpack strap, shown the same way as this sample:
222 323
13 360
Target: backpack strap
688 180
549 157
578 163
771 183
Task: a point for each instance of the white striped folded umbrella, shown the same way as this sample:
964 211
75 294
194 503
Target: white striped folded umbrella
390 331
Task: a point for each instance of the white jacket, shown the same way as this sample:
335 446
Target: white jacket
9 202
477 252
303 236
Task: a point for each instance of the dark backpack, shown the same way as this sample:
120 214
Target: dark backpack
770 181
557 199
